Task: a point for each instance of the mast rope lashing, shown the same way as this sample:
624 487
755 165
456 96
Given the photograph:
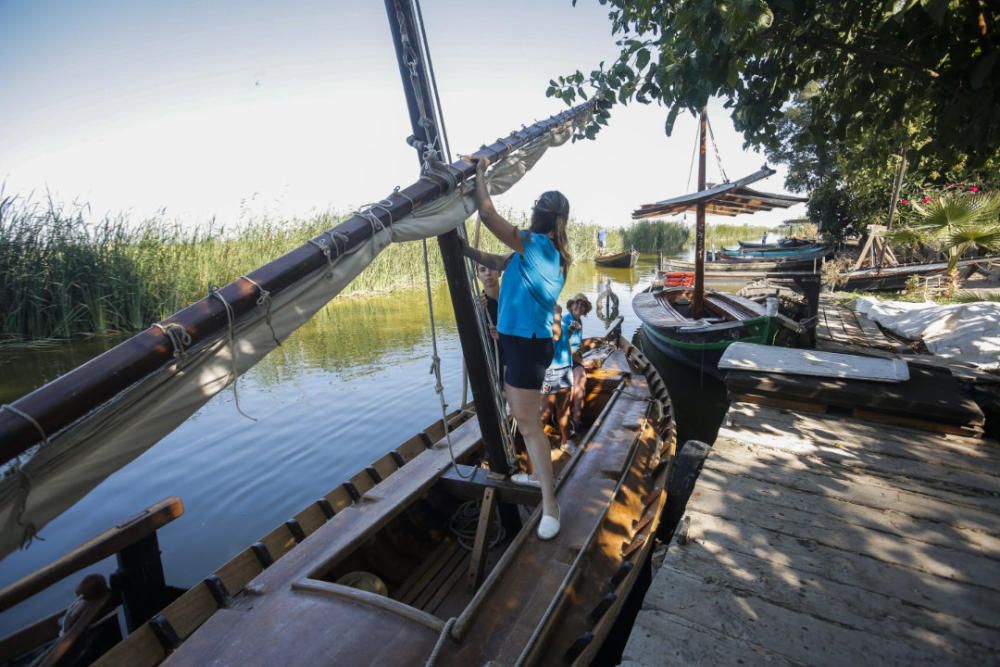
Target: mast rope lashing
373 220
324 247
179 337
30 531
233 349
264 299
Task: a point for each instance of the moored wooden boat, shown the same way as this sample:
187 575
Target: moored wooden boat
790 242
700 342
746 265
809 252
889 278
297 596
618 260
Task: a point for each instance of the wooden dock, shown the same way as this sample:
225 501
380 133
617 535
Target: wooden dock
839 328
817 540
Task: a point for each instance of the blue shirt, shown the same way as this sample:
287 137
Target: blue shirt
568 343
530 288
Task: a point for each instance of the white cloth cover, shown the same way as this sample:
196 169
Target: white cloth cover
968 332
55 476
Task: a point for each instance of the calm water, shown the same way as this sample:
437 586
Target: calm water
344 389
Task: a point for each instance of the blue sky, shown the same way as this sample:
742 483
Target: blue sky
257 108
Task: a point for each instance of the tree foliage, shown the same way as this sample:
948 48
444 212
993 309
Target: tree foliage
836 90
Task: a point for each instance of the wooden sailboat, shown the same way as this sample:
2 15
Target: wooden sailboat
429 555
618 260
374 573
694 326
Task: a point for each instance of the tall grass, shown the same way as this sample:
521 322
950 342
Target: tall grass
63 275
672 236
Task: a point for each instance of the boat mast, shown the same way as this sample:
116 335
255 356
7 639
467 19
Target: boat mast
697 304
426 136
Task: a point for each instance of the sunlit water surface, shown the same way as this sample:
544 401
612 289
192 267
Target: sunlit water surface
348 386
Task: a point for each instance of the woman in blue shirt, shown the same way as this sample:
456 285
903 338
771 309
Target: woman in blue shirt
528 295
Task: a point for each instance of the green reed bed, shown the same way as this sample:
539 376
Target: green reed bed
64 275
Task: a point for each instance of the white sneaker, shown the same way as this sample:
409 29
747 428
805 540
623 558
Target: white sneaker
524 478
548 527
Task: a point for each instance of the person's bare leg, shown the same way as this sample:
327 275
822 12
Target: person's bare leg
549 410
579 389
524 405
562 415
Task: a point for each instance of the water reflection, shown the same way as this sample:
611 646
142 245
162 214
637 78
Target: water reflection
341 391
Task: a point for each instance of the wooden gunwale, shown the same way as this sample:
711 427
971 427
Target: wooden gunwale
69 397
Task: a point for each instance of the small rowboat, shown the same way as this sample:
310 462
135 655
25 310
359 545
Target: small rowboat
409 562
804 252
669 325
782 243
619 260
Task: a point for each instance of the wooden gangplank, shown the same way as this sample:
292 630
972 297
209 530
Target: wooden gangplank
815 540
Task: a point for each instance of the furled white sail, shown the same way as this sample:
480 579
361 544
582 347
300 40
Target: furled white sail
56 475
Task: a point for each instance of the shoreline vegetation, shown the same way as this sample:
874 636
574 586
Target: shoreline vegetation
65 275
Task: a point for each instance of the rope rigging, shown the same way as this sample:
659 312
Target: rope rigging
432 121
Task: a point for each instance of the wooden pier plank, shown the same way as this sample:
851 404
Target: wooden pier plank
749 422
815 540
779 498
825 598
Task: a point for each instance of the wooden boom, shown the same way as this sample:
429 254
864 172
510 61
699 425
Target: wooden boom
64 400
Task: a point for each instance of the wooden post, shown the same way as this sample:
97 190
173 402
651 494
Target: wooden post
423 121
897 184
697 305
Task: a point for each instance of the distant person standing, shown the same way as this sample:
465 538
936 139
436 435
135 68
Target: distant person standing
602 240
763 239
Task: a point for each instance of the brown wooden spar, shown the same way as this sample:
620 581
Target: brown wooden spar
64 400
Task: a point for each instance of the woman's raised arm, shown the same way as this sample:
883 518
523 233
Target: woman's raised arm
496 223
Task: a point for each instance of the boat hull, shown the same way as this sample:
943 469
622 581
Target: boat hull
621 260
746 265
698 343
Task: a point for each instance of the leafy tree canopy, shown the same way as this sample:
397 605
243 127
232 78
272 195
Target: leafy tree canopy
873 64
835 90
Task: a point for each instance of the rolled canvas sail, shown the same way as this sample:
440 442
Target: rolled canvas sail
56 475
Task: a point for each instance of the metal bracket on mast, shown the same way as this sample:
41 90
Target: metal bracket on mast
427 140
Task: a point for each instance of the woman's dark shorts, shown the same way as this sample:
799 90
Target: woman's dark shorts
526 359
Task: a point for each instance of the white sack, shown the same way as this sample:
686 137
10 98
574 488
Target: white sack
968 332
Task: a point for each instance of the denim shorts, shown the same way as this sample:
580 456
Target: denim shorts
557 380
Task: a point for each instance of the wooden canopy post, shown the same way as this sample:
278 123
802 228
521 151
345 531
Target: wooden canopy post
426 134
697 305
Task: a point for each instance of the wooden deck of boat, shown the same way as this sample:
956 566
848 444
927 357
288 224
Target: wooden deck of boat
821 541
